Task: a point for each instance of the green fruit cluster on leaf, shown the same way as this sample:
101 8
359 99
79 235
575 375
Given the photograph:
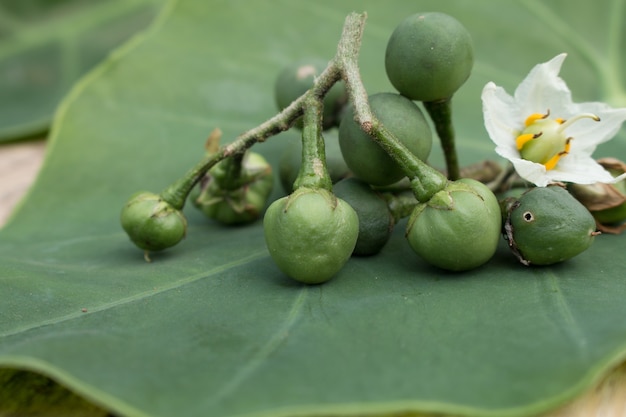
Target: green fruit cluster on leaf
383 139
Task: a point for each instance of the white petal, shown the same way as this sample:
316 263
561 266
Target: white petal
619 178
503 120
531 171
579 169
543 89
588 133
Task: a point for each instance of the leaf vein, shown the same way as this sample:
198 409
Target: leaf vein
571 328
138 296
272 344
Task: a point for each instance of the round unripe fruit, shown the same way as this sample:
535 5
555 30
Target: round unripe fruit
429 56
548 225
152 223
310 234
291 160
375 220
458 229
611 216
606 202
237 206
365 158
297 78
616 214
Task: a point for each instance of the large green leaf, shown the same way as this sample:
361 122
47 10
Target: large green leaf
211 327
45 46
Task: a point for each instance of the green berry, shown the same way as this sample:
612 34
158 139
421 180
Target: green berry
547 225
458 229
617 213
429 56
297 78
242 204
365 158
375 220
611 216
291 160
606 202
152 223
310 234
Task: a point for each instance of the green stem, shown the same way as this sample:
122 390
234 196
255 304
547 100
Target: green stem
232 176
313 171
425 180
441 114
176 194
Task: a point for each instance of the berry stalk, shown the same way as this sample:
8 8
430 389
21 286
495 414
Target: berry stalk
441 114
313 172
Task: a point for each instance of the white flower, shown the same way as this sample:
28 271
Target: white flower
546 136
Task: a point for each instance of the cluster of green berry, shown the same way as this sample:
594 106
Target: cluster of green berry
349 181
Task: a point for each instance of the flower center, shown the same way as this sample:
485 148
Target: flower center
543 140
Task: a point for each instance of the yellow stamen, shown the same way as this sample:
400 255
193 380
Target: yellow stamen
559 120
536 116
522 140
568 145
551 163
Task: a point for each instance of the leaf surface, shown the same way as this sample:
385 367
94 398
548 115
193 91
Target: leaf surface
211 327
45 46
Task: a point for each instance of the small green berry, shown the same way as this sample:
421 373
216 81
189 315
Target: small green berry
547 225
310 234
458 229
375 220
152 223
240 205
429 56
365 158
611 216
606 202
